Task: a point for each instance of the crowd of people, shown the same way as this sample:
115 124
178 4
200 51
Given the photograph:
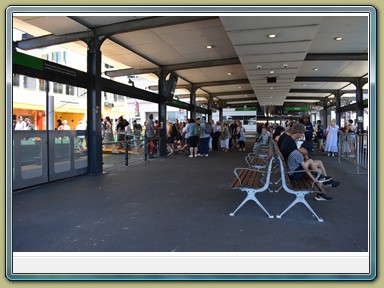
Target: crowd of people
198 136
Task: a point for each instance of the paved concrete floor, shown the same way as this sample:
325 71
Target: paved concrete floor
182 204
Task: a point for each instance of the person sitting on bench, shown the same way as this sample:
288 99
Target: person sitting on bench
299 160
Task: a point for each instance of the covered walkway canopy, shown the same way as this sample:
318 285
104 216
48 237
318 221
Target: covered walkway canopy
270 59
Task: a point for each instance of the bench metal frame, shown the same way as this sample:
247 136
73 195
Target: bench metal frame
251 191
300 194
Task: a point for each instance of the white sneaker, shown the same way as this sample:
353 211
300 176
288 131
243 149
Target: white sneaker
199 155
190 156
206 155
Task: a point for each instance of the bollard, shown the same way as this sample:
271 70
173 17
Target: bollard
145 148
126 152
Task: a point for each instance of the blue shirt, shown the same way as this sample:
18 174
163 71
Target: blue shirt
294 160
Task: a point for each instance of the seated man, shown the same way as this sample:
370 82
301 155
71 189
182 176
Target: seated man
299 160
287 141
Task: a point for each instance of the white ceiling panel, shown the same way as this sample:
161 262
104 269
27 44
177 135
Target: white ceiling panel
285 35
242 37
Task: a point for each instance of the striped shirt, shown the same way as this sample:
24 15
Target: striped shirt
294 161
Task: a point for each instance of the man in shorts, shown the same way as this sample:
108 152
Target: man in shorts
300 163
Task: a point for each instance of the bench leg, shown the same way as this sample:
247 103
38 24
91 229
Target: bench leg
300 199
251 197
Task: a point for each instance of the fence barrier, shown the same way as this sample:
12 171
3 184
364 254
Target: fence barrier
354 148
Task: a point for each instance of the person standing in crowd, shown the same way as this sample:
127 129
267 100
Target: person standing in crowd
309 127
216 135
277 133
120 129
193 138
183 139
108 132
331 145
225 136
65 125
150 134
20 124
240 136
128 134
59 123
137 129
206 130
170 138
320 135
264 136
212 123
288 123
232 130
28 125
350 131
309 133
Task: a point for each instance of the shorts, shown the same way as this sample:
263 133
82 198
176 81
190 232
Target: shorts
170 140
193 141
297 175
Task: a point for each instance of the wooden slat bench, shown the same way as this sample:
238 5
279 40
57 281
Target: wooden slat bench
252 181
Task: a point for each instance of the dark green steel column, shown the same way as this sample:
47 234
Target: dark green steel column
193 101
95 157
359 102
162 114
338 106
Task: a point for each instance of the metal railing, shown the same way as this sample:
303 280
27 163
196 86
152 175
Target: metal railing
354 148
134 149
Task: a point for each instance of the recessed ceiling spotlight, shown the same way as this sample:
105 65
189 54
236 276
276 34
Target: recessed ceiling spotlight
271 72
315 69
209 47
338 38
271 35
271 89
304 85
240 87
229 73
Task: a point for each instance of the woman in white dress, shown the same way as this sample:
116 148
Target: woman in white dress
331 145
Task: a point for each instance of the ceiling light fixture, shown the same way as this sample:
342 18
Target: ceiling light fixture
338 38
271 72
271 35
315 69
209 47
271 89
229 73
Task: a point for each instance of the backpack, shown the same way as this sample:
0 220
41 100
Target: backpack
174 132
196 130
208 128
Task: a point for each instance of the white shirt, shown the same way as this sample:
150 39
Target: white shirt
20 125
